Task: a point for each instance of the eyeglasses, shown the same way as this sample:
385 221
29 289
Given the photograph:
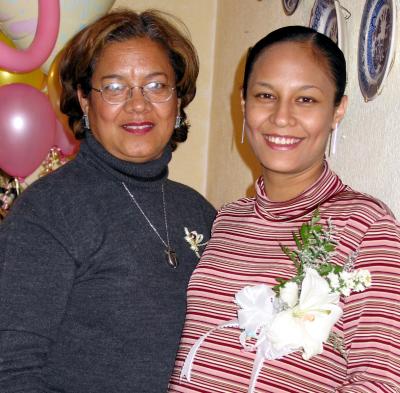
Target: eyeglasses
118 93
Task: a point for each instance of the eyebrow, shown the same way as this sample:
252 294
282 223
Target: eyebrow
111 76
117 76
304 87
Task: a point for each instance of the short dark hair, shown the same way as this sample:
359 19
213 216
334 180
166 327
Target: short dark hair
83 50
320 43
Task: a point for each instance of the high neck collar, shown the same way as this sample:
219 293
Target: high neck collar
326 187
146 174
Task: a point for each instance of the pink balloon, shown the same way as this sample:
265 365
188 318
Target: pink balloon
65 141
27 125
15 60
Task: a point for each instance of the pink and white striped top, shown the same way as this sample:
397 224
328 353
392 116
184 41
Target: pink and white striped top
245 249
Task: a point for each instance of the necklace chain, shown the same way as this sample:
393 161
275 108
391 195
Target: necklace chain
171 257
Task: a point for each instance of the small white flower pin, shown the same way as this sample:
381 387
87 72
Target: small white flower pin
195 240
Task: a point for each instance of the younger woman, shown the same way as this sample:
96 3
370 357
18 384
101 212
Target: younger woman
292 99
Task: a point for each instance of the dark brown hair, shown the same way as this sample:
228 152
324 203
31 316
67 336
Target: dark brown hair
83 50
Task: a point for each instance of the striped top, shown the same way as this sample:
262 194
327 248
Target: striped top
245 249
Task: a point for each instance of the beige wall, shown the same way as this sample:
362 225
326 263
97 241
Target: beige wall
366 158
213 161
189 164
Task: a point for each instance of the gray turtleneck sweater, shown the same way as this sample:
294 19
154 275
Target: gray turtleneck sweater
88 303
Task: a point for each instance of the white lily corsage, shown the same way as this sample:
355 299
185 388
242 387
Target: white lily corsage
195 240
297 314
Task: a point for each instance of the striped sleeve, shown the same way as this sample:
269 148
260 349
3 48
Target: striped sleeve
372 317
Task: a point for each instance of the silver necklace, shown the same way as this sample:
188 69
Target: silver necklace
170 254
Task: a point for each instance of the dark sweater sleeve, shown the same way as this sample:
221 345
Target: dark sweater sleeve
36 274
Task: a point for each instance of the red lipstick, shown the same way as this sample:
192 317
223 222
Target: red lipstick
138 128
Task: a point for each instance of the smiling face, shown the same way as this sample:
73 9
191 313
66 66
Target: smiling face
137 130
289 110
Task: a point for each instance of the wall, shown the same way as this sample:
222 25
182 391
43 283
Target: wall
367 151
189 164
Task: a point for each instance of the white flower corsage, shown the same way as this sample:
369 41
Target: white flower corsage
195 240
297 314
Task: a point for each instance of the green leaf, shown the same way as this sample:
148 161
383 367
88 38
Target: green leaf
281 283
317 228
325 269
291 254
329 247
297 241
315 217
337 269
294 258
286 250
305 234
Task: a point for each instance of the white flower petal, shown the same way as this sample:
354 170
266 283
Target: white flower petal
289 293
256 303
322 324
333 280
315 291
317 331
285 331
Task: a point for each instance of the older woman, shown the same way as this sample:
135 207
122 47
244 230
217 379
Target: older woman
94 260
321 327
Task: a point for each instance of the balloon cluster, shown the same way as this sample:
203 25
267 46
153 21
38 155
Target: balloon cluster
32 36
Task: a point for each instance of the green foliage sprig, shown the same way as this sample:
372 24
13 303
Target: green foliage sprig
315 247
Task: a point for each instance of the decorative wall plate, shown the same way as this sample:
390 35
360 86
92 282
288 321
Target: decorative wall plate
327 18
324 19
376 45
342 14
290 6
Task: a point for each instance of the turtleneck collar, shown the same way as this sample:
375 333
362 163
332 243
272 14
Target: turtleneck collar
326 187
146 174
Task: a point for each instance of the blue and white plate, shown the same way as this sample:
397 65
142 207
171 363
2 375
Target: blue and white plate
327 17
376 45
324 18
290 6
